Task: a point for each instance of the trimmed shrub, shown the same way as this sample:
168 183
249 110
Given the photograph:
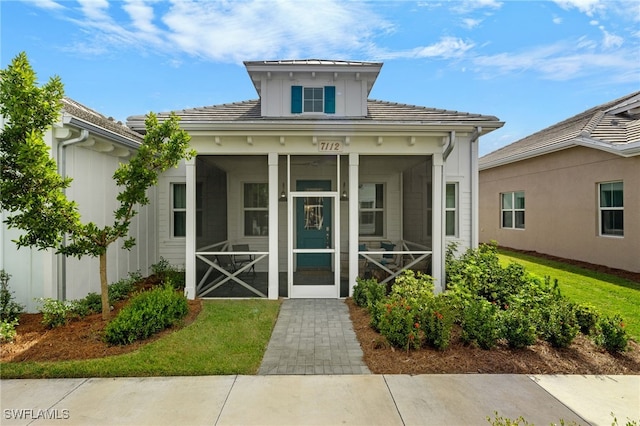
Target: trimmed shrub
398 323
121 289
9 309
367 292
146 314
92 303
587 317
611 334
480 324
169 273
436 321
417 288
8 330
518 328
55 312
558 323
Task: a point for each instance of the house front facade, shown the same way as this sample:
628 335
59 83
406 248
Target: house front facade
570 190
88 147
299 192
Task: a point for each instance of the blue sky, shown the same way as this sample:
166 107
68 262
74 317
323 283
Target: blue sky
530 63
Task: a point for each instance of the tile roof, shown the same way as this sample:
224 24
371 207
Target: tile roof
379 111
86 114
613 126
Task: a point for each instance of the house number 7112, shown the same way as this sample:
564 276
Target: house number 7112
332 146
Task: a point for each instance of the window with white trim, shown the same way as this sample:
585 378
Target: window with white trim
179 210
313 99
451 210
256 209
611 208
512 210
371 206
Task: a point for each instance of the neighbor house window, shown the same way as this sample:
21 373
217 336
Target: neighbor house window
179 210
313 99
256 209
451 210
371 204
512 209
611 208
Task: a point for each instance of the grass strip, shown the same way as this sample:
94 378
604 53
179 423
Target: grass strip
228 337
609 294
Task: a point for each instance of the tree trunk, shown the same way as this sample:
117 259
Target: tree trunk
104 287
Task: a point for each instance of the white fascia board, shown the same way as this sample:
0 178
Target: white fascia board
101 131
337 125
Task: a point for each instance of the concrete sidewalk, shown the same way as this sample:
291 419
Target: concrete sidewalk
321 400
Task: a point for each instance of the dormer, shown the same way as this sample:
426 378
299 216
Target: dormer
313 88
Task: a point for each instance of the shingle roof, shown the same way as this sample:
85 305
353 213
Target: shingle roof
84 113
377 111
613 126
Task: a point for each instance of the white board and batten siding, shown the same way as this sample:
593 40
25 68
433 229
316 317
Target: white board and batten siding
34 274
458 171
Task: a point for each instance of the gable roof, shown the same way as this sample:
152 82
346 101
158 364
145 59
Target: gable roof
613 127
378 111
81 116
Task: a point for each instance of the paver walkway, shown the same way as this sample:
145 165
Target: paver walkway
313 336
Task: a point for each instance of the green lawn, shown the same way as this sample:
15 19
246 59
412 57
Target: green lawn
609 294
228 337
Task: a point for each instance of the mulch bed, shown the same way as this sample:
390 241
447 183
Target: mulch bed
582 357
79 339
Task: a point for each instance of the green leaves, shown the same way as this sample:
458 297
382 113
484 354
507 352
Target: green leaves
30 187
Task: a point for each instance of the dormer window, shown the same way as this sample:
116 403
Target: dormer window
313 99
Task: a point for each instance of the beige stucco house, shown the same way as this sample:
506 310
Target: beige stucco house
298 192
571 190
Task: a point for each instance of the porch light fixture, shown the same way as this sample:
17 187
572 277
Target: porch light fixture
283 195
344 196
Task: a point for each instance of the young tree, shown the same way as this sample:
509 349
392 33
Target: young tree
33 191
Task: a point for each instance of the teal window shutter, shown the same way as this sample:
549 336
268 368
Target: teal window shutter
330 99
296 99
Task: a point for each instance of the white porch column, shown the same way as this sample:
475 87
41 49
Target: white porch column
354 164
437 264
273 226
190 255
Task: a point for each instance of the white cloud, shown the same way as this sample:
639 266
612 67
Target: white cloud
46 4
610 41
468 6
557 20
588 7
445 48
560 61
232 31
471 23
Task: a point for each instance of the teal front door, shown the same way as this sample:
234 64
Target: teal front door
313 225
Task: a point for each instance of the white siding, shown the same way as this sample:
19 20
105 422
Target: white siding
170 248
457 170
